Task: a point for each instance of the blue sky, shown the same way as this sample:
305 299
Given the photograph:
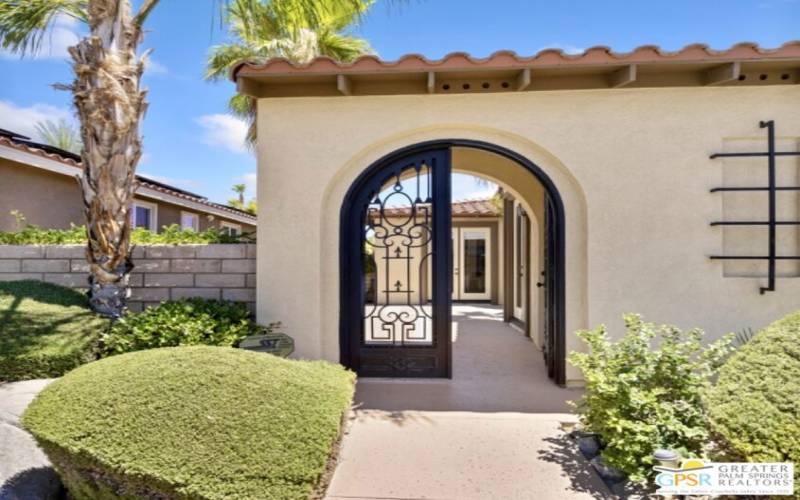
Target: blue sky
192 143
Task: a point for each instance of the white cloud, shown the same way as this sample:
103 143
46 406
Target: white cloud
224 131
469 187
188 184
153 67
23 120
567 48
54 43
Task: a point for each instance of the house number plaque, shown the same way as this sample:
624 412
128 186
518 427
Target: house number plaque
278 344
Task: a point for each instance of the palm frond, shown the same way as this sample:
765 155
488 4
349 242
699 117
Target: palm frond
341 47
298 30
244 107
60 134
144 11
299 14
24 23
223 57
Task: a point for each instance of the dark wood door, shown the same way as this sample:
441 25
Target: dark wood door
398 260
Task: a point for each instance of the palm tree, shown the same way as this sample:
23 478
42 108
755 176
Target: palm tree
261 32
239 190
110 105
239 201
60 134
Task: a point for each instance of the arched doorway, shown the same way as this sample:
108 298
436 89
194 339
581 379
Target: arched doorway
401 327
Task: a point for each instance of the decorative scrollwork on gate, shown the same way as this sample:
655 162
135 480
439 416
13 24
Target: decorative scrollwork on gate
398 244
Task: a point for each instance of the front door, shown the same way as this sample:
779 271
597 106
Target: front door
398 263
521 266
471 267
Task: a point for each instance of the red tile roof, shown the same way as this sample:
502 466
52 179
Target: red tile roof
463 208
22 143
505 59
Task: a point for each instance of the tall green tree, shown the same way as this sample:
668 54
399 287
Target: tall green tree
260 31
110 104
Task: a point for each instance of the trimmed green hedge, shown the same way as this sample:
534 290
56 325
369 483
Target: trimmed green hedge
192 422
181 323
45 330
754 407
169 235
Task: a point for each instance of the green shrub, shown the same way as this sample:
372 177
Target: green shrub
170 235
175 235
180 323
640 397
754 407
45 330
192 422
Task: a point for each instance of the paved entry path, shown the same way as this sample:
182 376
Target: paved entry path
25 472
492 432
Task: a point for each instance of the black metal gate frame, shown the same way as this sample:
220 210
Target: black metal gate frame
557 270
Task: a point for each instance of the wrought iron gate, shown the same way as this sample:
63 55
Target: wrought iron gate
398 261
396 264
549 283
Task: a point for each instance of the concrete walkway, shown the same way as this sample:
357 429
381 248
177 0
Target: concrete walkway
25 472
493 431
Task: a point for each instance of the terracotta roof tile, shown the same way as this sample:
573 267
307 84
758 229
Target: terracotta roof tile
506 59
463 208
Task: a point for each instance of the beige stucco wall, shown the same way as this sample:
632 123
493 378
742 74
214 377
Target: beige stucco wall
44 198
631 165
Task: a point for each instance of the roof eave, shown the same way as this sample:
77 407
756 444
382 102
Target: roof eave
550 69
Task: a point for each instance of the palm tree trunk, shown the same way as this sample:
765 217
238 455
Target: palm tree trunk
110 105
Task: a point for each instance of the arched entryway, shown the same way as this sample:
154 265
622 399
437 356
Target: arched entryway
399 325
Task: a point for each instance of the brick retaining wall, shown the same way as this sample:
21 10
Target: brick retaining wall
162 272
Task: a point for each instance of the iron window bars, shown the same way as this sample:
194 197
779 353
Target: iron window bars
772 189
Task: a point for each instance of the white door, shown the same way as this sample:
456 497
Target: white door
520 272
456 248
473 271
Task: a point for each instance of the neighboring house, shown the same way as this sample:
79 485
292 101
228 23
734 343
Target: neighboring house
39 181
662 183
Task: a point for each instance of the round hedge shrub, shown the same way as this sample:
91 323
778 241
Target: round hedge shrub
182 322
754 408
192 422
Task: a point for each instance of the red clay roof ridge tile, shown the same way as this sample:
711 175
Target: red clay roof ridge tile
5 141
696 52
